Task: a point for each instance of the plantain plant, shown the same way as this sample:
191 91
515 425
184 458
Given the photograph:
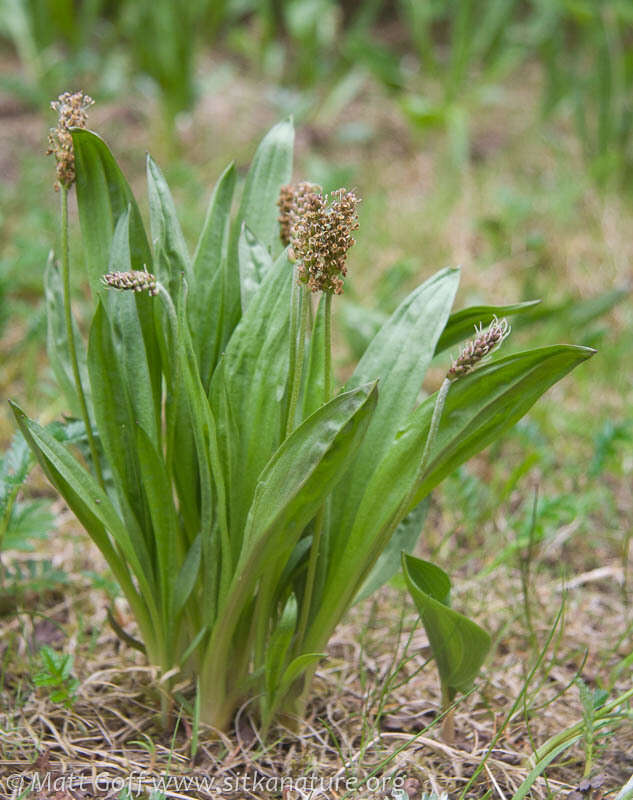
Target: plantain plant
241 498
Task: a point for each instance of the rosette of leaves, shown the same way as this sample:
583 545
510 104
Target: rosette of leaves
240 537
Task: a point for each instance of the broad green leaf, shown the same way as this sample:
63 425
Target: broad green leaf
140 370
295 668
205 307
253 373
279 644
404 540
398 357
255 263
290 491
103 194
164 520
304 469
216 552
271 168
95 512
461 324
458 644
115 419
362 324
479 408
187 577
171 257
103 197
57 341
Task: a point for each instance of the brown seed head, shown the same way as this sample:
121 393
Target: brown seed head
321 235
478 348
136 281
72 110
289 202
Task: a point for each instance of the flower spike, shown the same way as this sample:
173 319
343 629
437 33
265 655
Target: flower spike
136 281
479 348
72 110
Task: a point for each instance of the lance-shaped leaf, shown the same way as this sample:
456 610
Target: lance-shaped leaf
253 373
398 357
116 421
290 491
478 409
462 323
205 307
94 510
103 197
140 369
171 257
270 170
255 263
103 194
458 644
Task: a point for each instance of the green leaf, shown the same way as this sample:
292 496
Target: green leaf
303 471
103 197
404 540
295 668
171 257
461 324
458 644
103 194
132 314
186 578
398 357
255 263
478 409
205 306
57 341
165 531
116 422
279 643
270 170
253 375
291 489
95 512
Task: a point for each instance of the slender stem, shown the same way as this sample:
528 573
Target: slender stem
318 523
71 338
298 372
438 410
295 306
328 348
